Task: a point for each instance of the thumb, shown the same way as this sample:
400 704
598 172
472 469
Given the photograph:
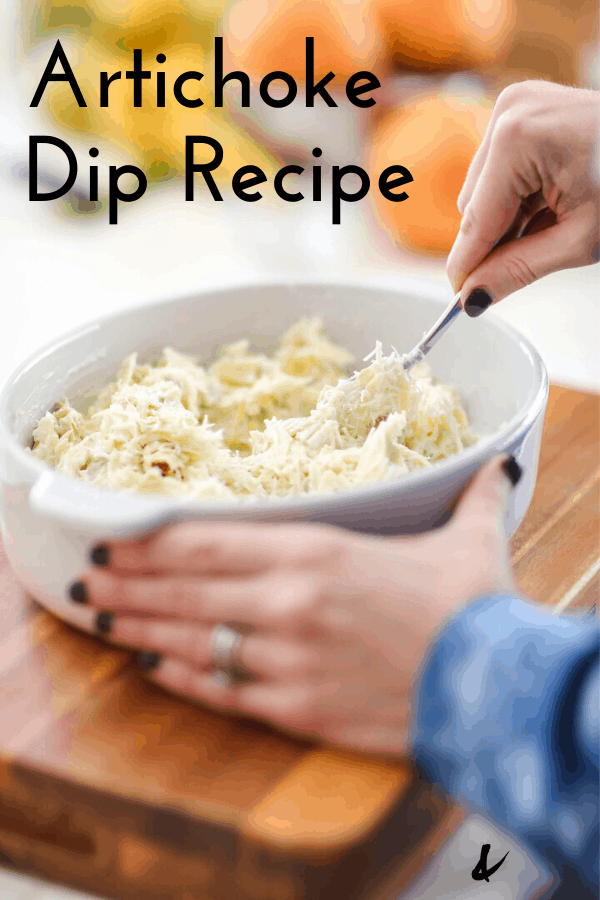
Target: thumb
485 500
479 525
569 243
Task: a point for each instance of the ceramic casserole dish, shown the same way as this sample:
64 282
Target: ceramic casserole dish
50 521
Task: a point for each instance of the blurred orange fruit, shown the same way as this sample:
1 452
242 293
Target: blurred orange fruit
263 36
445 34
435 139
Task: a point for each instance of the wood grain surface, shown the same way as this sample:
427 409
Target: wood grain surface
555 552
109 784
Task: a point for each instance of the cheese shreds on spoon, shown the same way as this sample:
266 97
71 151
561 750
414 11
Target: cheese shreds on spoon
252 426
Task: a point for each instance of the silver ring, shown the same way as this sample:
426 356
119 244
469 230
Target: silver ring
226 667
225 641
223 679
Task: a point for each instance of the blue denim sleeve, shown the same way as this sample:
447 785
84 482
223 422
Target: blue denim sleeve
507 722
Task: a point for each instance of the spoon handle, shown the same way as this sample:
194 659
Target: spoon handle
432 336
531 208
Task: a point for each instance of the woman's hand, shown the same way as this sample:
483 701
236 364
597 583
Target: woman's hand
340 622
541 140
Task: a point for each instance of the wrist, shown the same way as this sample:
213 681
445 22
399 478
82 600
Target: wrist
440 610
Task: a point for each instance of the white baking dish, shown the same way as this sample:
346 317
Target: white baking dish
50 521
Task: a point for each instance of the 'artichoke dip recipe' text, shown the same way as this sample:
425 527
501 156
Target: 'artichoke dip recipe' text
358 90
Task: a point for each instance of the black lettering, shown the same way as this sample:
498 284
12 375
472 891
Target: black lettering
317 176
353 89
313 89
278 76
160 90
220 82
160 82
240 187
338 193
316 183
93 176
204 168
137 74
114 194
278 184
481 871
34 194
385 185
105 83
93 182
58 55
178 89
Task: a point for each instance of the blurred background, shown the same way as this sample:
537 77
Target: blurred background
442 63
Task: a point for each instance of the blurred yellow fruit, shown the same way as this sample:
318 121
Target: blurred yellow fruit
62 14
132 13
152 136
158 134
153 26
435 139
445 34
262 36
87 60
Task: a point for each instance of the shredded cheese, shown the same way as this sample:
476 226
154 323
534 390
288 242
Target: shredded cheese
253 426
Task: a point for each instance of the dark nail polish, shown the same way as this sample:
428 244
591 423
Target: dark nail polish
78 593
100 555
513 470
147 660
104 623
477 302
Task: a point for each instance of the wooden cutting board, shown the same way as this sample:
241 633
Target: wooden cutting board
109 784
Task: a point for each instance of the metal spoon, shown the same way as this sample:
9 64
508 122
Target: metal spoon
532 210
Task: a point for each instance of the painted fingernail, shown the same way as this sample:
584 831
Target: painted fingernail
100 555
104 623
78 593
513 470
147 660
477 302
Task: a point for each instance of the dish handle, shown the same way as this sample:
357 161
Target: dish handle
82 508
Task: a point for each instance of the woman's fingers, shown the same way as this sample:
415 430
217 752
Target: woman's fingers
567 244
262 655
514 95
486 498
480 524
290 705
327 711
494 203
479 160
476 535
279 600
209 548
475 169
538 143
